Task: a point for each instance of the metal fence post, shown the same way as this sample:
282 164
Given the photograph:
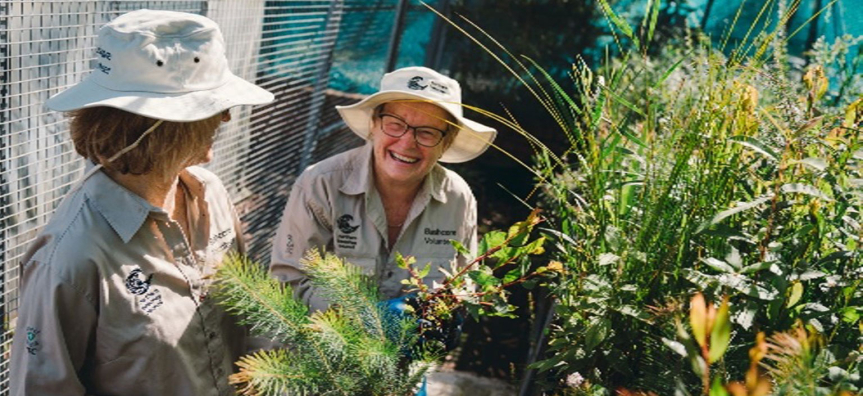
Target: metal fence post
437 40
322 80
4 183
396 35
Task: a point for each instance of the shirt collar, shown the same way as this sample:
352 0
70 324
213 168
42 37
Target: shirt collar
361 179
124 210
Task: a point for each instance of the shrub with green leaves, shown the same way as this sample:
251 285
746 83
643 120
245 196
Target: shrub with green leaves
693 171
725 171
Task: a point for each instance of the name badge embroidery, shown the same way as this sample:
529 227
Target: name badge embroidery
139 285
437 236
221 241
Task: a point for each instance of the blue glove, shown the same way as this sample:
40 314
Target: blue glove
397 306
422 391
446 332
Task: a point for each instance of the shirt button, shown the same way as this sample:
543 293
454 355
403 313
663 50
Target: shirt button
389 274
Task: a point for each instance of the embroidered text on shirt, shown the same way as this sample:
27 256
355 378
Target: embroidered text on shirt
150 301
435 234
289 245
221 242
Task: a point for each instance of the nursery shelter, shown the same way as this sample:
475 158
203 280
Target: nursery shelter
312 54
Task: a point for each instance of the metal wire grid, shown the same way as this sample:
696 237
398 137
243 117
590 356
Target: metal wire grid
296 49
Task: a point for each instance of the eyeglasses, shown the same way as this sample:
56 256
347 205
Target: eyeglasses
397 127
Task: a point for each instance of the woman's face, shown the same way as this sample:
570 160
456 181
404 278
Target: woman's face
206 156
402 159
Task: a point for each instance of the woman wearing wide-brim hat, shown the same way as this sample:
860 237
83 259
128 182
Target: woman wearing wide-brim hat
390 195
114 289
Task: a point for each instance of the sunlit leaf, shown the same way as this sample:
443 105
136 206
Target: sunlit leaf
801 188
720 334
717 264
608 258
460 248
796 294
675 346
491 239
818 164
698 318
597 331
756 146
730 212
745 316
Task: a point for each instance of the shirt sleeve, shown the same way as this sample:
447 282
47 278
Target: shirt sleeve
305 225
470 235
54 331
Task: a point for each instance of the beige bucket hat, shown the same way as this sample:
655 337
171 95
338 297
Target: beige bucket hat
422 83
161 64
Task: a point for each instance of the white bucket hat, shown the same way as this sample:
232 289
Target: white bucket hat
161 64
422 83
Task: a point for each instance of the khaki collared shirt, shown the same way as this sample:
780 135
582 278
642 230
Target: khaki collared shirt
334 205
114 300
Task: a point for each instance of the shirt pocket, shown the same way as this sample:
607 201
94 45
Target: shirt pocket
143 319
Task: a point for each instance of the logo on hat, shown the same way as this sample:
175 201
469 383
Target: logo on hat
414 84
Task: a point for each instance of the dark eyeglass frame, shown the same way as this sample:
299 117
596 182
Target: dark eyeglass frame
408 127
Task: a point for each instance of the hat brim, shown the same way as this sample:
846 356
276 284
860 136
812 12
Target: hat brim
182 107
472 140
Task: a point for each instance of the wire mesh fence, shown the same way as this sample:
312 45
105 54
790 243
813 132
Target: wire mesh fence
312 54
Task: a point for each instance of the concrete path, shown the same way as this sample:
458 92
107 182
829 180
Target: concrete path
456 383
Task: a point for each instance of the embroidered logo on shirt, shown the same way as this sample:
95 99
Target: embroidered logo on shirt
136 283
289 245
32 342
343 240
414 83
437 236
344 224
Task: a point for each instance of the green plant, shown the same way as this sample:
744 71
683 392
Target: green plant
691 171
352 349
696 171
359 346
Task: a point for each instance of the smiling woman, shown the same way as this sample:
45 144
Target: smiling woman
391 195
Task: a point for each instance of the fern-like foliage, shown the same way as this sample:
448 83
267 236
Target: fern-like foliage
355 348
